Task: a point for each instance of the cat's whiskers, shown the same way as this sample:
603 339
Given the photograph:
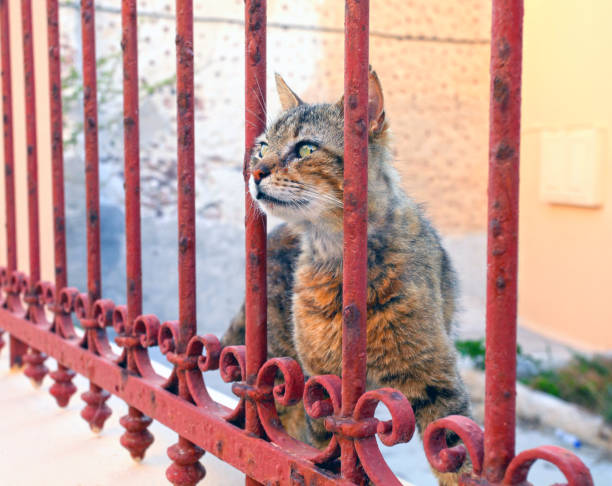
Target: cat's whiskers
311 191
256 115
261 99
313 195
255 206
323 197
251 124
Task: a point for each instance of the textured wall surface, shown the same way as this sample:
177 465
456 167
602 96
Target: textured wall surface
432 58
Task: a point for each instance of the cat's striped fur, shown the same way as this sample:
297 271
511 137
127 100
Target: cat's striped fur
411 283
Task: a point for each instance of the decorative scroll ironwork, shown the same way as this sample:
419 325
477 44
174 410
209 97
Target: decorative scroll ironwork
444 459
280 381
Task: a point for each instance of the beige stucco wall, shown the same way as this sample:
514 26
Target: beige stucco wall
565 266
436 88
39 26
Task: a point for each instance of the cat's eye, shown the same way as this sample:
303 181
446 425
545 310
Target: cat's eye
306 149
263 148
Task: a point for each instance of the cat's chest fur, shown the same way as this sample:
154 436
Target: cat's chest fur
317 319
317 308
409 308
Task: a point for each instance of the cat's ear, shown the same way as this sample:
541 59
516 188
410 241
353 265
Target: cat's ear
376 104
287 97
340 102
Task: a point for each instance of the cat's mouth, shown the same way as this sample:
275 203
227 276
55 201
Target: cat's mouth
266 198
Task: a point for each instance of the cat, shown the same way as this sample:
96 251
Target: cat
297 175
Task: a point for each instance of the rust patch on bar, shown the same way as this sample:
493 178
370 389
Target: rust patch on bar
504 152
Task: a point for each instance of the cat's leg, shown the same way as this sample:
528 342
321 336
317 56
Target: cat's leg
436 401
300 426
283 250
293 420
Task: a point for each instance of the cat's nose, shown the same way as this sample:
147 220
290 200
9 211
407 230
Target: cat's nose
260 172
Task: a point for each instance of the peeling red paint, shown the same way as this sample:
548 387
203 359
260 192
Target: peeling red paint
505 102
255 224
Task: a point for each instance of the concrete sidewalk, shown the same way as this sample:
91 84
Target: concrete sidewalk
44 445
469 256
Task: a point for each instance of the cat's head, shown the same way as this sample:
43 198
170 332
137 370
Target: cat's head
297 164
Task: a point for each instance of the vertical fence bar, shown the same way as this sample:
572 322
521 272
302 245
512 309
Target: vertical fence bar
355 269
8 156
136 438
57 146
255 223
17 349
502 251
131 134
186 470
7 115
96 412
186 171
32 161
63 388
35 369
94 272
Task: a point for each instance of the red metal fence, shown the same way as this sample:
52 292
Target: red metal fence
250 437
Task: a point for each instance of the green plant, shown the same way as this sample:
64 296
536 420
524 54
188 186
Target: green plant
586 381
474 349
109 95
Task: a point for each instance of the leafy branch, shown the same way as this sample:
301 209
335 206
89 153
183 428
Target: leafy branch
108 76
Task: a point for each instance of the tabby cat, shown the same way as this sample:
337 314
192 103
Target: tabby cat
297 175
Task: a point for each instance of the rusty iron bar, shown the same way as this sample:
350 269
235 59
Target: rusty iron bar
354 280
92 183
63 388
57 148
35 369
17 349
502 246
137 437
32 161
8 140
96 412
9 167
256 306
493 453
185 172
185 470
131 137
